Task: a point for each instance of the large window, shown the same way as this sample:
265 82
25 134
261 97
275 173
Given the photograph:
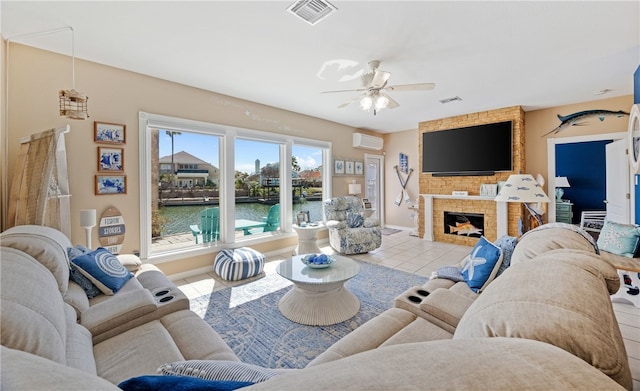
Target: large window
207 186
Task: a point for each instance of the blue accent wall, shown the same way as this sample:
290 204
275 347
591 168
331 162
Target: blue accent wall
584 165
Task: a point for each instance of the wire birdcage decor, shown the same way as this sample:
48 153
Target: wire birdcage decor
73 104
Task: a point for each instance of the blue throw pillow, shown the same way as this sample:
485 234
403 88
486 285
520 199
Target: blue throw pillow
89 288
103 269
481 266
620 239
178 383
354 220
507 244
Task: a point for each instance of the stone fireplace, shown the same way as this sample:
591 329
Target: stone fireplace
436 192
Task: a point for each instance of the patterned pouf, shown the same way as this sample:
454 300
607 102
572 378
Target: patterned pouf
239 263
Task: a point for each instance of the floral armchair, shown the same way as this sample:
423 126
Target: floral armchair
349 231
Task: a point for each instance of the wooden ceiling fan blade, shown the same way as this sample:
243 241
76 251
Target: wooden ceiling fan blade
347 103
331 92
392 103
379 79
412 87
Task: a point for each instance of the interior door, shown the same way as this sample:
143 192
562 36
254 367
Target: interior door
617 172
374 179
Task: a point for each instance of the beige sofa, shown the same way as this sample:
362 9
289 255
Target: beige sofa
546 323
145 324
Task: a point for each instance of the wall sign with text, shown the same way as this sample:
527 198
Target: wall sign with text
111 230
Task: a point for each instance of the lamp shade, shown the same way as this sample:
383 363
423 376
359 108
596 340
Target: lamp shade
88 218
562 181
521 188
355 188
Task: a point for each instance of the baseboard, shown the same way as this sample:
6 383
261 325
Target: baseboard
400 227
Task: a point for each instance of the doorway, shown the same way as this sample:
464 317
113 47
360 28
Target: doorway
374 179
551 161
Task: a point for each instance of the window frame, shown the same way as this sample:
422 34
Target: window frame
227 136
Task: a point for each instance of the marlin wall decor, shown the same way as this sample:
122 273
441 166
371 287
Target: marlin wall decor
576 119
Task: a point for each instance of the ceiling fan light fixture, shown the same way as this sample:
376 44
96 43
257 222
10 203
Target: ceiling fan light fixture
381 102
366 103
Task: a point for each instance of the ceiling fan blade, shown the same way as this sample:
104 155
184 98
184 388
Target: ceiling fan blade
331 92
380 79
392 103
347 103
412 87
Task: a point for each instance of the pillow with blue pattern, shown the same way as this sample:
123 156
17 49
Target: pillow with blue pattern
87 286
617 238
355 220
507 244
481 266
218 370
103 269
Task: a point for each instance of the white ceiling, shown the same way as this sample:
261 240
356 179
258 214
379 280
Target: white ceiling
490 54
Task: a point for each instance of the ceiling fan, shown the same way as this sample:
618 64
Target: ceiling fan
373 85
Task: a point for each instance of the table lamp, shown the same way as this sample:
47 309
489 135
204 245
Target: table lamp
355 188
561 181
521 188
87 222
524 189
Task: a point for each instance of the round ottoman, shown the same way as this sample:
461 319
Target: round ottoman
239 263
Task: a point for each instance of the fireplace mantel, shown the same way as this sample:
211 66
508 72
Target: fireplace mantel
501 212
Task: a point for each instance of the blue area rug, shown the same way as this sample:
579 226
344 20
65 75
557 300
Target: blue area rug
248 319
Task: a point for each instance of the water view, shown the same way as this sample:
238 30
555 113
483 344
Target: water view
179 218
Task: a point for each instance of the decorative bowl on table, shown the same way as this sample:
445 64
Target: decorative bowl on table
318 261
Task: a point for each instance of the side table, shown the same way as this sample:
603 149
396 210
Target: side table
564 211
308 238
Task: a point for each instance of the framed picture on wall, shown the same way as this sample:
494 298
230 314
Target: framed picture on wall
108 133
349 167
404 162
111 184
359 168
110 159
338 167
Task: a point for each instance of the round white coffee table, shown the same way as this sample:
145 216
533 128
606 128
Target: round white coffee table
318 296
308 238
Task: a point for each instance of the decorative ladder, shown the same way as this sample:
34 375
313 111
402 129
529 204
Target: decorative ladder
40 187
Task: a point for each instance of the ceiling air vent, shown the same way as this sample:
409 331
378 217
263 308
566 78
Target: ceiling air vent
311 11
448 100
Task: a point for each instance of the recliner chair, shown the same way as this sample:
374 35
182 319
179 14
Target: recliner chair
349 231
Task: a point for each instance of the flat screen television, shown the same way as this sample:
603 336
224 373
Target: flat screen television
473 150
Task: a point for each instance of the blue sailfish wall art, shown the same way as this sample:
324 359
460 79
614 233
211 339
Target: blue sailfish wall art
577 119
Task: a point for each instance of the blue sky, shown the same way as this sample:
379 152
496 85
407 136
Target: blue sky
206 148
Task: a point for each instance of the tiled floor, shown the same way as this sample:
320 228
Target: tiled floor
411 254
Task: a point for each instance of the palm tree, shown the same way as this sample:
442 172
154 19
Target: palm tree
172 133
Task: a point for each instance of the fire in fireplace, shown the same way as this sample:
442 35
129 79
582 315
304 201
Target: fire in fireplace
467 224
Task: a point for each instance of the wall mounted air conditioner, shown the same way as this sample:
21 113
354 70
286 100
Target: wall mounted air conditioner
367 142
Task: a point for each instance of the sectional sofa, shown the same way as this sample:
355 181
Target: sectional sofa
545 323
48 319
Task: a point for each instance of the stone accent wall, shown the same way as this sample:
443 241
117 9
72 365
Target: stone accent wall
446 185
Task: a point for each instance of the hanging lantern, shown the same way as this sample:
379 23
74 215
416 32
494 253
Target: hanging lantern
73 104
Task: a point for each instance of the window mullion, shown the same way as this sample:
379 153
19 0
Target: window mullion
227 187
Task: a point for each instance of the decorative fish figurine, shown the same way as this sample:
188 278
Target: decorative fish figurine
465 229
576 119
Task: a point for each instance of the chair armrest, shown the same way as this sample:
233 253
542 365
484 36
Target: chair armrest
335 224
117 310
446 305
371 222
